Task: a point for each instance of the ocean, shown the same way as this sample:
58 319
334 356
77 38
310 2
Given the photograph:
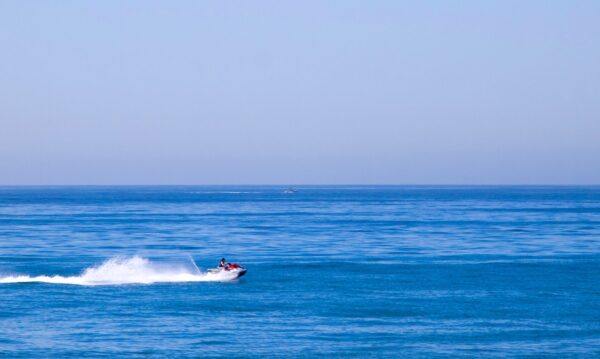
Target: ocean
333 271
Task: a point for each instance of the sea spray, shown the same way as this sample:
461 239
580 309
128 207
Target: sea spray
127 270
193 263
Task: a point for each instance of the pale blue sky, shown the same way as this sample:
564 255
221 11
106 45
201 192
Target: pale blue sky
322 92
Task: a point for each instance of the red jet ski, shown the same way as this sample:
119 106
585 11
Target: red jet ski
232 268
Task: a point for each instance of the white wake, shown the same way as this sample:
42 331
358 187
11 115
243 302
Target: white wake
128 270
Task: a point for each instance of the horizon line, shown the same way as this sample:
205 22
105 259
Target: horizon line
317 184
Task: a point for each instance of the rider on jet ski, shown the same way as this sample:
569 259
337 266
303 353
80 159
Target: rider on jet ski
232 268
223 263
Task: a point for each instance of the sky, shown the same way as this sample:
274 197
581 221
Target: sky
299 92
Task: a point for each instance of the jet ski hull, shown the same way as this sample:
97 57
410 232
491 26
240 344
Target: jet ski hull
241 273
237 271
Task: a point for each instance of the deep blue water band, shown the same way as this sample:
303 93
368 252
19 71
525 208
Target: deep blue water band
333 271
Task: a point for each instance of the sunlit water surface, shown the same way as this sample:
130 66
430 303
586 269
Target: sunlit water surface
332 271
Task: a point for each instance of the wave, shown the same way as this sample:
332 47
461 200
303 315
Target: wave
127 270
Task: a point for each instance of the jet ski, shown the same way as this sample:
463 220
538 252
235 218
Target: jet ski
230 268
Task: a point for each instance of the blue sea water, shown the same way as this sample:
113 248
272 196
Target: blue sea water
332 271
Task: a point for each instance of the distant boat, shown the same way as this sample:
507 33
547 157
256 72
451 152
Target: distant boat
290 190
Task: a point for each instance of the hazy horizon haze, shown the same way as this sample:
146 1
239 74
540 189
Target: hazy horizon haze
339 92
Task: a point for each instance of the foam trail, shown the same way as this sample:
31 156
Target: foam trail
127 270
